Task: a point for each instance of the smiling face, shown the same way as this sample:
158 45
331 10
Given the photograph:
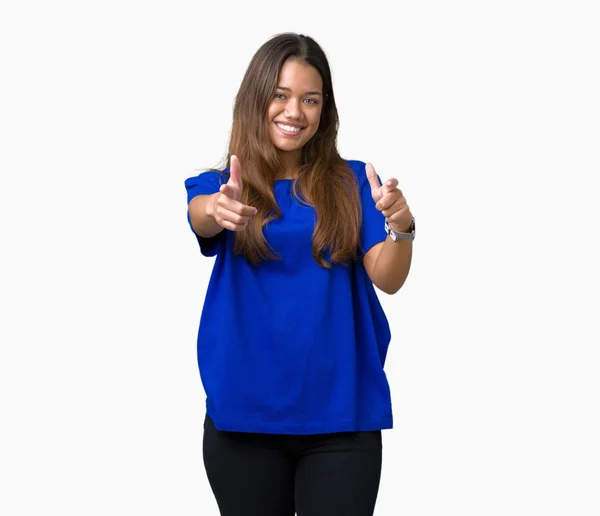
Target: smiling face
295 110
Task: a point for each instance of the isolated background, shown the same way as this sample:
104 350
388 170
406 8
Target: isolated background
487 113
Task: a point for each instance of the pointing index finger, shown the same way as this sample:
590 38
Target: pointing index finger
235 172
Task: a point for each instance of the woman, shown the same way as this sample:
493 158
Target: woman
292 339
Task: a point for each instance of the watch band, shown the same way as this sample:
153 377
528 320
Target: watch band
397 235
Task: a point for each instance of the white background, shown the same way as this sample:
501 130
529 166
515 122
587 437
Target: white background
487 113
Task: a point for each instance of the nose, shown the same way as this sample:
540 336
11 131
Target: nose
292 109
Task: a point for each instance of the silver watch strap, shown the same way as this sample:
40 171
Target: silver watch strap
397 235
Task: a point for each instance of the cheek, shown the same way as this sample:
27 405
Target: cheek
315 119
318 115
271 112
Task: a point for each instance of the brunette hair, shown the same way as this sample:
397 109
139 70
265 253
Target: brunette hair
324 180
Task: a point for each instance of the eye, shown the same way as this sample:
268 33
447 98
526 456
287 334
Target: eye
279 96
311 101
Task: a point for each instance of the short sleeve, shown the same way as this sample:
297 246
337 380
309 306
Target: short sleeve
206 183
373 221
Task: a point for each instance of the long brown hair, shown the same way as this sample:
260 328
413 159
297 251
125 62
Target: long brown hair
324 179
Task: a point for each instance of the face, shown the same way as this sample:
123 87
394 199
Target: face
295 110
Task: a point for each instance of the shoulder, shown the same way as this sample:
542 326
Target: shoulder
359 168
208 177
205 183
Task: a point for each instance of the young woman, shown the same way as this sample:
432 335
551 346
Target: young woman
292 339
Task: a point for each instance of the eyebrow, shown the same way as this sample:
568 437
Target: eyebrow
307 93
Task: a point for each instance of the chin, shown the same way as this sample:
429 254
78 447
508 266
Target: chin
286 145
288 148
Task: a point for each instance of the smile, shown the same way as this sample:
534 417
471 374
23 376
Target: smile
288 130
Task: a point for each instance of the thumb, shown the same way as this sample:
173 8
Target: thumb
374 183
235 172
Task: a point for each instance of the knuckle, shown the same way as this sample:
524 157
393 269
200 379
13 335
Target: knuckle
240 219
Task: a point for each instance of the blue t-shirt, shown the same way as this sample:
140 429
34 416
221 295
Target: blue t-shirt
289 347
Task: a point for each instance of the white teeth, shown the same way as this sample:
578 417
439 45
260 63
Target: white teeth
289 128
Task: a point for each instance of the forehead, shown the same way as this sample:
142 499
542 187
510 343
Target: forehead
297 75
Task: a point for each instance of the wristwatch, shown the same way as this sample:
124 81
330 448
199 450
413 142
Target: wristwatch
397 235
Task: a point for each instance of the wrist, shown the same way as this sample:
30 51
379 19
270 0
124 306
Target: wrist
400 229
400 234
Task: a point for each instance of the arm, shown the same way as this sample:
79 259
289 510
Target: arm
388 264
202 215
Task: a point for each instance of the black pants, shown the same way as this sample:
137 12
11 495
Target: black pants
281 475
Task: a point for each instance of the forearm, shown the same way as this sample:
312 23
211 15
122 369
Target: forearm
392 265
201 215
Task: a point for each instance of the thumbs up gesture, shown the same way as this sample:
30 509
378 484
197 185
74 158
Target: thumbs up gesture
227 210
390 201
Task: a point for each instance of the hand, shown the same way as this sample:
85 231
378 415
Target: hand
390 201
226 208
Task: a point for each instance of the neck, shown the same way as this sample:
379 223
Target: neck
289 165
